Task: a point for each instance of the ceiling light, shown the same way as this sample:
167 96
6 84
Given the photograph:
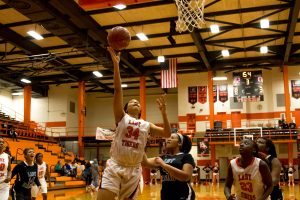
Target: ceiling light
220 78
214 28
264 49
17 93
142 36
161 59
120 6
225 53
24 80
97 73
264 23
124 85
35 35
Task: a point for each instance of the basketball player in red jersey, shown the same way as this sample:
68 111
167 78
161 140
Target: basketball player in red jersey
250 175
5 172
123 172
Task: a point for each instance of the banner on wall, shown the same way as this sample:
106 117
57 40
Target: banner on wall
192 94
223 93
295 88
248 86
104 134
215 90
202 94
203 147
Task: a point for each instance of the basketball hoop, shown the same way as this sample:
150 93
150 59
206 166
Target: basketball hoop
190 15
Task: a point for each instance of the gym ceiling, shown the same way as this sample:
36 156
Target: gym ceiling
74 43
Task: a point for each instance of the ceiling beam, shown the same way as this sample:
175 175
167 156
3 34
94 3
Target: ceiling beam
294 12
207 15
201 48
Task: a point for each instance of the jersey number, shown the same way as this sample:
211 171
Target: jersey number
132 133
2 166
246 186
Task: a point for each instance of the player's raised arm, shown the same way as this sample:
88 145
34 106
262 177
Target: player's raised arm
158 131
118 93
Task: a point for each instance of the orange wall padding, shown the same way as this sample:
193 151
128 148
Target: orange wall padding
236 118
96 4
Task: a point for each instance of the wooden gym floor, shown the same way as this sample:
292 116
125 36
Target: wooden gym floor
152 192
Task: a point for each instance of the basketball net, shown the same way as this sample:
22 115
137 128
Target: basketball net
190 15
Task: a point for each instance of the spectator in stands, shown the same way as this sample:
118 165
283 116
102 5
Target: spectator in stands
176 168
67 169
13 134
122 175
74 166
250 175
58 167
216 175
291 171
76 159
43 175
95 175
64 151
27 175
267 152
5 172
87 173
207 170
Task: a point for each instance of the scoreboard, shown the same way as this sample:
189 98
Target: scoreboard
248 86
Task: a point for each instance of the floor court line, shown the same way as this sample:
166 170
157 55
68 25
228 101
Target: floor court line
152 192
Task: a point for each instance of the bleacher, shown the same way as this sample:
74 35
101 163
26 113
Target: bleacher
32 135
273 133
51 154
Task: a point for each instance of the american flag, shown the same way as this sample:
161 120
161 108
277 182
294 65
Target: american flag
169 74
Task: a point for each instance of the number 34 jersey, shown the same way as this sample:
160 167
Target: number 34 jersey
248 183
130 141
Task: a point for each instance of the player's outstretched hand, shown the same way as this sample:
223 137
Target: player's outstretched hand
161 102
115 56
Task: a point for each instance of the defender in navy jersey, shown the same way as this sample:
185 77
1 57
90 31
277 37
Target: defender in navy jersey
267 152
176 168
27 175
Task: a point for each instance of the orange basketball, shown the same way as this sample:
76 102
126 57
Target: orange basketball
118 38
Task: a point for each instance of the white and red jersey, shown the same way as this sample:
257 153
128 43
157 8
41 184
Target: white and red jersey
42 171
4 160
130 140
248 183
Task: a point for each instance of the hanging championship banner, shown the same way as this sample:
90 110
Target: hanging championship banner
295 88
248 86
202 94
223 93
203 147
192 94
215 88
